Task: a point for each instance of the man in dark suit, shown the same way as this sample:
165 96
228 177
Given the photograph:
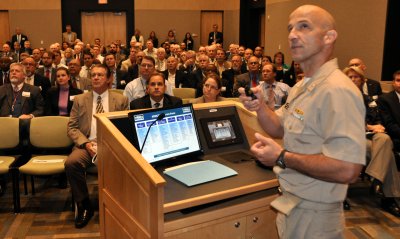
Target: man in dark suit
215 36
196 77
5 63
389 108
156 97
251 78
18 99
35 79
228 76
8 53
174 76
18 37
372 88
48 70
82 131
119 78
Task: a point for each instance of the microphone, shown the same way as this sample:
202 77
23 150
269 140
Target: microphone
160 117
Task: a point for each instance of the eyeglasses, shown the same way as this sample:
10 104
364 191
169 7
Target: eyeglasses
29 64
212 87
253 63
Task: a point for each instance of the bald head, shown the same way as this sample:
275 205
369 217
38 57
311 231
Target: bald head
316 14
357 62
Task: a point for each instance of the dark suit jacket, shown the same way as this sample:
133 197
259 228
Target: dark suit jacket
196 82
80 120
180 77
41 72
32 104
389 109
43 83
374 87
122 79
52 99
14 39
228 80
219 38
7 79
144 102
242 80
133 72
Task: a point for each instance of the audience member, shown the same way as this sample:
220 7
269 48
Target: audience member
69 36
175 77
18 99
5 63
82 131
150 50
249 79
119 78
87 64
372 88
188 40
27 47
155 95
48 70
215 36
382 165
171 37
274 92
18 37
161 61
196 77
137 37
281 68
221 62
228 76
60 98
153 38
32 78
82 83
8 53
211 90
130 61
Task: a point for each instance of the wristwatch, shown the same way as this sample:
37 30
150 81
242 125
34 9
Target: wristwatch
280 161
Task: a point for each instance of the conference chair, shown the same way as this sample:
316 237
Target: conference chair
9 139
184 93
50 145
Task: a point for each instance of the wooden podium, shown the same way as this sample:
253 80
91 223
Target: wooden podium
137 201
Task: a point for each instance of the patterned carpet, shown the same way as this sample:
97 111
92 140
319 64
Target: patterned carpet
48 214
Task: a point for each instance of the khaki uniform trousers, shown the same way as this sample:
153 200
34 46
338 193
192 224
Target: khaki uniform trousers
382 165
310 220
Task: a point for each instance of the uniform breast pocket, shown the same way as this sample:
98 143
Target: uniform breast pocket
294 123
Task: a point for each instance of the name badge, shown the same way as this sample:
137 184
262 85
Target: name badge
85 91
299 114
123 82
71 98
26 94
40 87
223 88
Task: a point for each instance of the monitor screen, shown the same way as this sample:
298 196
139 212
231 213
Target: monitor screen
172 136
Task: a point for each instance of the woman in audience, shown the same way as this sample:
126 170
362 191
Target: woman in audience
211 89
188 40
60 98
265 59
154 38
171 37
137 37
282 68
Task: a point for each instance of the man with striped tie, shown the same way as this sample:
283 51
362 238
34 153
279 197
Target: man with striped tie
82 131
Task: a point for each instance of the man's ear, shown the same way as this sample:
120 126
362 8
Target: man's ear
330 36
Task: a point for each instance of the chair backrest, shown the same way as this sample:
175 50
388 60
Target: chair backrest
49 132
9 132
184 93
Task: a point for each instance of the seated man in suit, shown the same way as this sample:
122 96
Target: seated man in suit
82 83
389 108
82 131
228 76
48 70
18 99
119 78
156 97
372 88
175 77
32 78
5 63
251 78
382 164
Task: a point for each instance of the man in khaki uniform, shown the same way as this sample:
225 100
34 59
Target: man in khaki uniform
322 126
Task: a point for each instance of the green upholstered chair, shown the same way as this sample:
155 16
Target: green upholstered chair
49 134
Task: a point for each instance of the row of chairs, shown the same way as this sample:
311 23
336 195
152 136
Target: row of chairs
33 147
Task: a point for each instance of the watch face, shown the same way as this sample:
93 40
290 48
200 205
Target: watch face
280 163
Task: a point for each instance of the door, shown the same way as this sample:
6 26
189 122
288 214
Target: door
207 20
5 28
108 26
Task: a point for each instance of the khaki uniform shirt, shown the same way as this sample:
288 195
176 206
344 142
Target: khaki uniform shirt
325 115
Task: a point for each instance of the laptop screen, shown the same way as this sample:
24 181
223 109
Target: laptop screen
173 135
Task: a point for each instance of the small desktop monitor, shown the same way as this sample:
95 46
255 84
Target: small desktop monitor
172 136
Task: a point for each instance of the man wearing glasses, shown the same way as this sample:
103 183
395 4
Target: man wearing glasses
137 88
33 78
82 131
251 78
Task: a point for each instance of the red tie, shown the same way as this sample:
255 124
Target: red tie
253 81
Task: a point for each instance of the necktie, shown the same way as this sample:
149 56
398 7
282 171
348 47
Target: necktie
29 80
48 74
157 105
99 107
253 81
74 83
88 73
19 38
271 97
